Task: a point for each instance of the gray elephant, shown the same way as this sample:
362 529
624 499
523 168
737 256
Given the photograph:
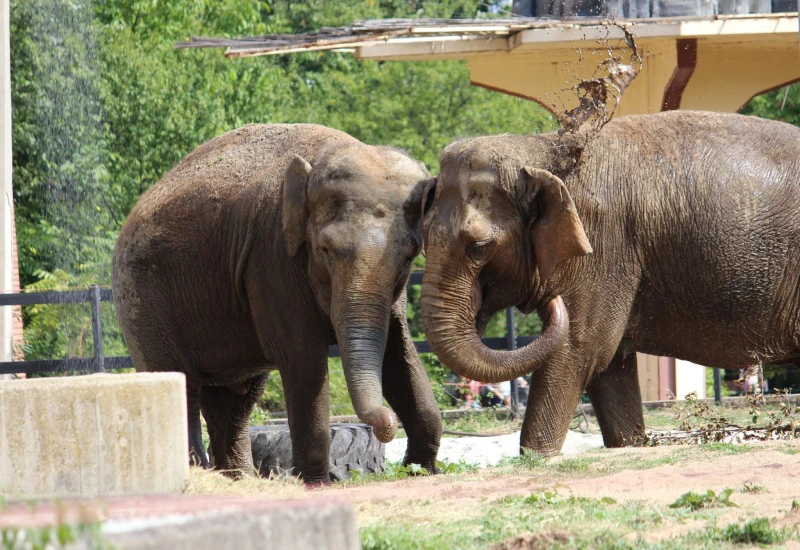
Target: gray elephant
672 234
256 252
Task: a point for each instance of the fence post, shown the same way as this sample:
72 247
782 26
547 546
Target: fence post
717 387
97 329
511 344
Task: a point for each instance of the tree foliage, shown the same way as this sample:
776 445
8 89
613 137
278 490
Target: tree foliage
104 105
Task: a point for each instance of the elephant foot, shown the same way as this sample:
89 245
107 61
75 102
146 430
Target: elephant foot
197 461
237 474
540 453
316 485
430 467
634 438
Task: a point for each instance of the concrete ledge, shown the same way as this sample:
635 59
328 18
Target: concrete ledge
101 434
195 522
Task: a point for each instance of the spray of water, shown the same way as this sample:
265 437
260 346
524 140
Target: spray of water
68 129
60 176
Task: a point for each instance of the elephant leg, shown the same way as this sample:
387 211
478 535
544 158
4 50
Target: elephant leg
617 401
197 451
227 415
555 392
305 385
407 389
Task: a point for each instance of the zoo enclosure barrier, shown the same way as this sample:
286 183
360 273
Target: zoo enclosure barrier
98 363
95 295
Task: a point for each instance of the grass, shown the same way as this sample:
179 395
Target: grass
753 488
395 471
549 518
709 499
84 535
755 531
565 521
608 461
484 421
208 482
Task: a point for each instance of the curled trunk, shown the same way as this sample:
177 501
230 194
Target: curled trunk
449 308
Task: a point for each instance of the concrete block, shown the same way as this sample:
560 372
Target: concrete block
195 523
101 434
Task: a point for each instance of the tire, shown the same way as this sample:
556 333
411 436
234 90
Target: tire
353 448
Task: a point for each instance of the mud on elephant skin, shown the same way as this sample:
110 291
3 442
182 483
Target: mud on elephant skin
671 234
253 254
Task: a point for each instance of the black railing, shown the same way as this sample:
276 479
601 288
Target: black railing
98 363
95 295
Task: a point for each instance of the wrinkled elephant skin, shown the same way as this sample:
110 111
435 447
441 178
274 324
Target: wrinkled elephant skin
673 234
255 253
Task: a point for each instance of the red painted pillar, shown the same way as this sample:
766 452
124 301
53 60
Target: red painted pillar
666 378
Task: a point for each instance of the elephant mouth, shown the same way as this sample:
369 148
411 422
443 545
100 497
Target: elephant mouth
482 321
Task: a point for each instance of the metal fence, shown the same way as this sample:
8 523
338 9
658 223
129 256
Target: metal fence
95 295
98 363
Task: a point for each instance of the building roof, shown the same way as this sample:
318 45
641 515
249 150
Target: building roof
455 37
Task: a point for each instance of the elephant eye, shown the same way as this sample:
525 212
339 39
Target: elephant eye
477 251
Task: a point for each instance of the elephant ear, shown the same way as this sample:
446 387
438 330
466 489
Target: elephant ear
556 231
295 211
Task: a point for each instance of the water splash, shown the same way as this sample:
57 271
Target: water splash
67 128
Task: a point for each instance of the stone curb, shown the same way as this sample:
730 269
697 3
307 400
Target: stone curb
196 522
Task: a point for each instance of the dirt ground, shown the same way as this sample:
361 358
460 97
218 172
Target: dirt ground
763 477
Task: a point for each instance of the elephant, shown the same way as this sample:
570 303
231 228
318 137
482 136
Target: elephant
258 251
670 234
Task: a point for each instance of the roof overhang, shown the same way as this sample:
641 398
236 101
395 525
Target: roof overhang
712 63
453 39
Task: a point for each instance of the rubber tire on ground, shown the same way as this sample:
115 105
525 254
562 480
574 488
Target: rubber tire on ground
353 448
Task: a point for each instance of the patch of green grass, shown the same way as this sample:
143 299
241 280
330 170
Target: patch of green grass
395 471
581 523
642 463
753 488
485 421
755 531
710 499
87 535
459 467
726 448
528 460
574 465
552 498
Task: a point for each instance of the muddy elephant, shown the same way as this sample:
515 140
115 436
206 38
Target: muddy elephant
672 234
255 253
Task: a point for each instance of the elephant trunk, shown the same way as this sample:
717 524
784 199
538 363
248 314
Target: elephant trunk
449 309
361 323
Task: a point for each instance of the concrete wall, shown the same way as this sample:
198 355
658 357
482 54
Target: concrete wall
101 434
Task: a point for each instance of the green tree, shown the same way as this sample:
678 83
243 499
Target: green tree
104 105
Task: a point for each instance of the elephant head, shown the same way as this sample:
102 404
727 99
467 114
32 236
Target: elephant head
355 214
496 226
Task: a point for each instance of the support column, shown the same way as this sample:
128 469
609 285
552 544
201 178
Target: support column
666 378
6 195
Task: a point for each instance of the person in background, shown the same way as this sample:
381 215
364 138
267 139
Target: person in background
494 395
